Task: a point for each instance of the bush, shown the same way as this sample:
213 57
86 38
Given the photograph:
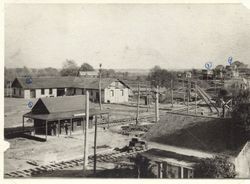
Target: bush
217 167
144 167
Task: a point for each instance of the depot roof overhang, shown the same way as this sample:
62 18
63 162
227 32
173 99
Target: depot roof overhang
64 115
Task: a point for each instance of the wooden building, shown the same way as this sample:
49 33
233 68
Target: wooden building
182 140
113 90
51 115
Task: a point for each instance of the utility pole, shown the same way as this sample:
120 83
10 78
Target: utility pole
172 100
195 97
100 87
184 92
188 96
95 140
85 166
138 103
10 90
157 118
147 101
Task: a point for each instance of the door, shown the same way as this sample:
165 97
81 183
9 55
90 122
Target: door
32 93
60 92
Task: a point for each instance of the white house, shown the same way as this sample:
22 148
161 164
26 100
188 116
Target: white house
113 90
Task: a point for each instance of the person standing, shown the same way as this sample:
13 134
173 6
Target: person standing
54 127
66 126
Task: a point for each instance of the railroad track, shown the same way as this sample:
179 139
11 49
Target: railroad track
105 157
124 121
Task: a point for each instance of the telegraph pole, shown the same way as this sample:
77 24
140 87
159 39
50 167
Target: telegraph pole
172 100
100 87
184 92
85 166
147 97
10 90
138 103
157 118
195 97
188 96
95 140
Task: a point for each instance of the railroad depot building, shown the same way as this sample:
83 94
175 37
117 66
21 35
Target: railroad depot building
51 115
113 90
182 140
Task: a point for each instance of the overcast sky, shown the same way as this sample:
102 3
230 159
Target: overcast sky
126 36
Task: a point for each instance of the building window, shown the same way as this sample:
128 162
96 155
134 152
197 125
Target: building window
42 91
122 92
74 91
50 91
82 91
112 93
20 92
91 93
14 91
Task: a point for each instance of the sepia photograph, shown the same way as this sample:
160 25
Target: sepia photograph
143 91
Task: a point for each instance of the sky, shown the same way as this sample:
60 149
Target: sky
123 36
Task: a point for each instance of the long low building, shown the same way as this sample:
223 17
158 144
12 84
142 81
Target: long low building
113 90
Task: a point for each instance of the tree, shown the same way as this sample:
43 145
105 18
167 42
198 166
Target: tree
239 64
194 72
70 68
86 67
218 70
243 96
26 71
106 73
216 167
161 77
241 109
51 71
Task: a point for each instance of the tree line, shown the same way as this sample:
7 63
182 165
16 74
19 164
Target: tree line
69 68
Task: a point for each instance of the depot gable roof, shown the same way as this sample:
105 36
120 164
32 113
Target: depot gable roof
59 104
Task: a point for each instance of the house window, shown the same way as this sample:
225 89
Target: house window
82 91
112 93
42 91
50 91
20 92
122 92
14 91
